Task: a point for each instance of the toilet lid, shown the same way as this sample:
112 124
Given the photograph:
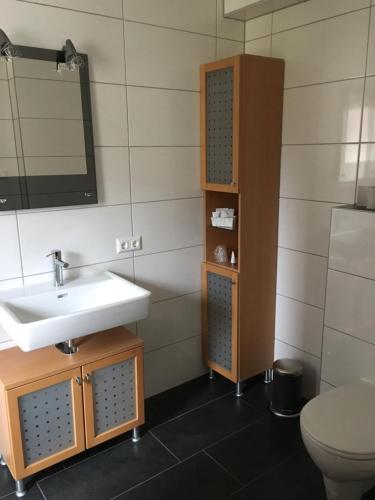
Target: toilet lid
343 420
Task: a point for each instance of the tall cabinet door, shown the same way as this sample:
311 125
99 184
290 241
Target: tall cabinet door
113 396
220 125
220 320
46 422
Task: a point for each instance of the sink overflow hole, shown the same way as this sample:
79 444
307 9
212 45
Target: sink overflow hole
62 295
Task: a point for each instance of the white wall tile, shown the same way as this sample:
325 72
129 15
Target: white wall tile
309 12
163 117
112 175
329 113
371 46
5 103
168 225
352 248
108 104
160 57
305 225
346 359
7 143
173 365
330 50
171 321
325 173
325 387
258 27
85 236
302 276
111 8
195 15
99 37
170 274
259 47
10 262
368 126
299 324
350 305
229 28
366 168
311 367
165 173
228 48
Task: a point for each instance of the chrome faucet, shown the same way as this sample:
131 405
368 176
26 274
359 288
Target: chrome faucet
58 266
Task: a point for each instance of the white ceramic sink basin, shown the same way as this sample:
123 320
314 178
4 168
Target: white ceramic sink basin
41 315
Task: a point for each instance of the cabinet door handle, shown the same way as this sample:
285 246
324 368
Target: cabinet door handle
87 378
79 380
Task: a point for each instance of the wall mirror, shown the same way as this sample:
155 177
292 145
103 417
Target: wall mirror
46 138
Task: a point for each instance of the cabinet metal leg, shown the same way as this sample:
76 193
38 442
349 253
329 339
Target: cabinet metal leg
211 374
268 376
239 389
136 435
20 488
2 461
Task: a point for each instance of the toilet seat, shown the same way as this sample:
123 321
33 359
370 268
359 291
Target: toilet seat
342 421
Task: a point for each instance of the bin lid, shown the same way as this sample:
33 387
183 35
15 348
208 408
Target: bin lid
288 367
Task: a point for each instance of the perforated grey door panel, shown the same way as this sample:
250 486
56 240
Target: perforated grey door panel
219 319
46 421
114 395
219 110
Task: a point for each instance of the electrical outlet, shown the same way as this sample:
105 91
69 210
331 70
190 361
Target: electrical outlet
131 244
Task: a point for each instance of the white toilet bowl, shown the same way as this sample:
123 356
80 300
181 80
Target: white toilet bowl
338 429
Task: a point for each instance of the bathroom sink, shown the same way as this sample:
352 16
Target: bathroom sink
40 315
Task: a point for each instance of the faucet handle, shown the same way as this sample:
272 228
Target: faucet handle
55 253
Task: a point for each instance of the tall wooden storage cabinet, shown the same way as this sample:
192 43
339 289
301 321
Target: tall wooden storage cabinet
241 118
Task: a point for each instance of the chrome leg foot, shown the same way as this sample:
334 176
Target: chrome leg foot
2 461
211 374
268 376
239 389
136 435
20 488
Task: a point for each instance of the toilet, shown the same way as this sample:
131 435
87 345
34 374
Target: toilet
338 430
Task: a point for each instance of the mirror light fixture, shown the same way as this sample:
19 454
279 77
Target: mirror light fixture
70 60
7 49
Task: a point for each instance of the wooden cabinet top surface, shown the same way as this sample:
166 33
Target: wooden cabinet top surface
18 368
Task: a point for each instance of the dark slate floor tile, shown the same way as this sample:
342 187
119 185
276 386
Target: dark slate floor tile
297 478
370 495
188 396
197 478
257 393
6 481
258 448
110 473
33 493
199 428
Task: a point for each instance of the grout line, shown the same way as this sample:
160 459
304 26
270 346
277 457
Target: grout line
329 82
303 251
350 335
258 38
328 383
182 30
164 88
263 474
351 274
300 301
173 343
168 299
222 396
154 476
299 349
164 446
71 10
349 143
41 491
316 201
223 468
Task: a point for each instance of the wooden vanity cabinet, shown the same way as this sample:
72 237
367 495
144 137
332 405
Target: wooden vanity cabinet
54 406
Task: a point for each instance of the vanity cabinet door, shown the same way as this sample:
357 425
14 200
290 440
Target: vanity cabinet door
113 396
46 422
220 320
219 125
